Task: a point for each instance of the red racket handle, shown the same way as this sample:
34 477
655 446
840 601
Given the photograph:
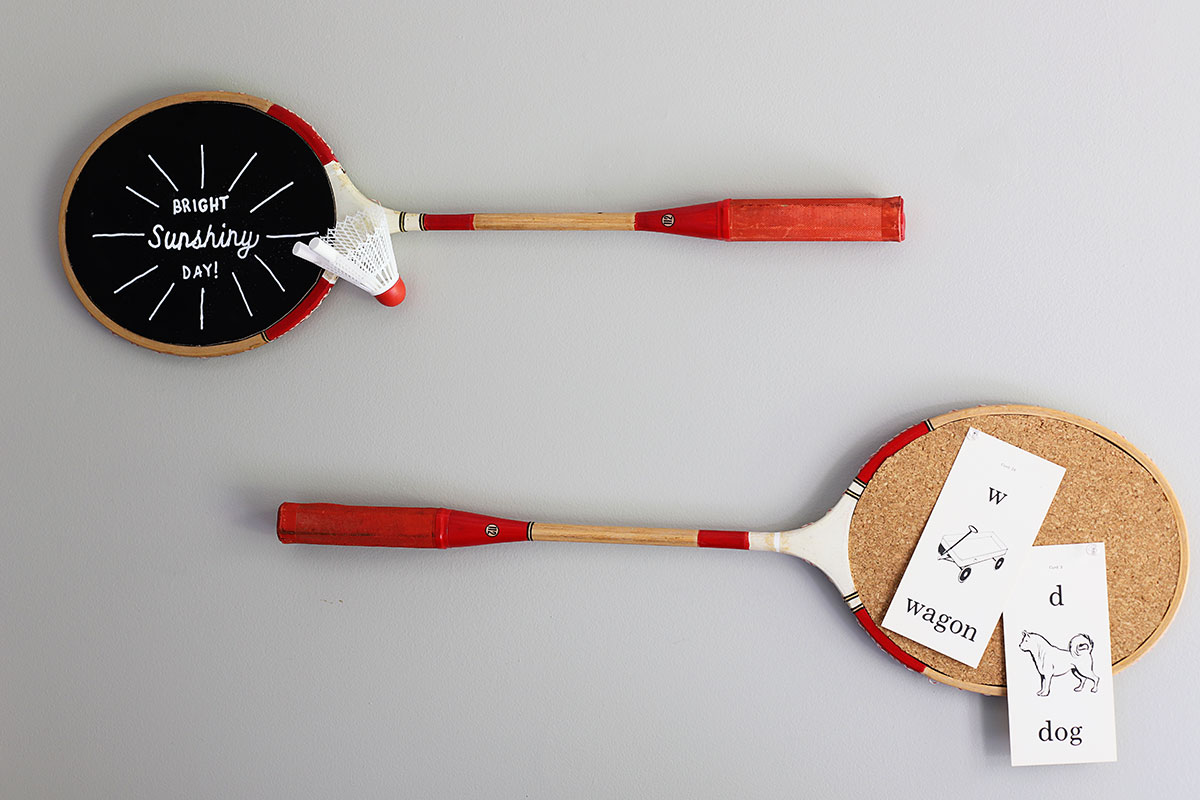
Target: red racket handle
387 526
842 220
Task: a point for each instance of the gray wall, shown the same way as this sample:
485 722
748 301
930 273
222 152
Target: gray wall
158 642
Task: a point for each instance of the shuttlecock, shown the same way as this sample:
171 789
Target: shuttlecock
359 250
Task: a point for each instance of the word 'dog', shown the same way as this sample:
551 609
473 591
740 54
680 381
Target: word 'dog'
1050 733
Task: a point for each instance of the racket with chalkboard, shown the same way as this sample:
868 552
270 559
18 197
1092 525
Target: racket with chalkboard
1111 493
179 224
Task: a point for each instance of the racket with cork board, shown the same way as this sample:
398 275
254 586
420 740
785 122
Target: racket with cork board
1111 492
181 224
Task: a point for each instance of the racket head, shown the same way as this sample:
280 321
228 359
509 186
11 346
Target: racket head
147 170
1111 492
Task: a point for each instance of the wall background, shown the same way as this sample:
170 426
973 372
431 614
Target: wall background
158 642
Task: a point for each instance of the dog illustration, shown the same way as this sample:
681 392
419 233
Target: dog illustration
1051 661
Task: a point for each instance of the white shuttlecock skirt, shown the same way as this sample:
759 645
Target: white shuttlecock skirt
359 250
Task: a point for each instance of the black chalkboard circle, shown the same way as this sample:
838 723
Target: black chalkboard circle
177 224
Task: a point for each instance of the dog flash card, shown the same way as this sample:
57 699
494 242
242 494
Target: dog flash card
1058 659
974 545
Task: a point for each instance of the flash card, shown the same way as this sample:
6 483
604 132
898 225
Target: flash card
1058 659
975 542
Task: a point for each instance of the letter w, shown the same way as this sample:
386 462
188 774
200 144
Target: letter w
995 495
914 607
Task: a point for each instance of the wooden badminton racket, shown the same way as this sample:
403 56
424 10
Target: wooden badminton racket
1111 493
179 224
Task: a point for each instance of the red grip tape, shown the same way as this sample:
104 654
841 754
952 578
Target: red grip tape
730 540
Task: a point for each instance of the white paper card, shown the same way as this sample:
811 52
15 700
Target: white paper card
1058 659
973 547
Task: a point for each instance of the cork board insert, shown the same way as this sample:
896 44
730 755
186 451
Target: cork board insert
1110 493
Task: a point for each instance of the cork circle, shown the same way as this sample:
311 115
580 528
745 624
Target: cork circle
1111 493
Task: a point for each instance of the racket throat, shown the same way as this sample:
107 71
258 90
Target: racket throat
825 544
348 199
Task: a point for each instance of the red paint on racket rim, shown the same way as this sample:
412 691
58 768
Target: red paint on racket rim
889 647
301 312
306 132
891 448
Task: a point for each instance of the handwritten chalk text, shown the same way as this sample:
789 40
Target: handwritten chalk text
200 271
209 239
198 205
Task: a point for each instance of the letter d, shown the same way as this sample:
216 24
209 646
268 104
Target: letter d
1056 598
1045 734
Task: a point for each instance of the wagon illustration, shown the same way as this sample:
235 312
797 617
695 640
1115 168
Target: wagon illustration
971 548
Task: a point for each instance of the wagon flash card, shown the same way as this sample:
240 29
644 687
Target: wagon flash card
1058 658
973 547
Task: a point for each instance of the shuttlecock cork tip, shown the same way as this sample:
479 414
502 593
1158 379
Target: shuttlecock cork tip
393 296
